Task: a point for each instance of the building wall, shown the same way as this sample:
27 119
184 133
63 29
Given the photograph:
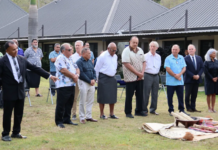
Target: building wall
195 40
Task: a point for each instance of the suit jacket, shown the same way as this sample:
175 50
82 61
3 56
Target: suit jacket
190 69
12 90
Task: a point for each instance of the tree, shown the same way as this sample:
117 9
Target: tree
33 22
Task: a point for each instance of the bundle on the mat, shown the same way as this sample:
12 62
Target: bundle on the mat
182 116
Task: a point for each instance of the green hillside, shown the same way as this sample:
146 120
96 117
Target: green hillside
24 4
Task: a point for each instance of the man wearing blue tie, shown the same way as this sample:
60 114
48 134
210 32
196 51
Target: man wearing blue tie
192 78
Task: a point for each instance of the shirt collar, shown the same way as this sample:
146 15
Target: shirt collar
151 54
56 52
192 56
9 55
179 57
131 49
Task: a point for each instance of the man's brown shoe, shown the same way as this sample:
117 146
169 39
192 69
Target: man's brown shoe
91 120
82 121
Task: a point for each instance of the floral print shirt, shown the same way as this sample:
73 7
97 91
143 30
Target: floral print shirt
64 62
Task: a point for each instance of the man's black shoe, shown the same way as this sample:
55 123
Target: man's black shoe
141 114
61 125
71 123
190 110
129 116
6 138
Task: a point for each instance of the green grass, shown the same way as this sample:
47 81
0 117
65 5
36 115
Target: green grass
38 124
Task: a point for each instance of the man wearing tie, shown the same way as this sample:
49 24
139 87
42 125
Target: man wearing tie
192 78
13 73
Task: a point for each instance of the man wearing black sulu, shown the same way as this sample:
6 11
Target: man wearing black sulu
13 73
192 78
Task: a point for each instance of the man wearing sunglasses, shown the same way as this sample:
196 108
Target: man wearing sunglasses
68 74
106 68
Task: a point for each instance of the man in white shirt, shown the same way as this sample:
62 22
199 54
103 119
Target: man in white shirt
106 68
76 56
151 84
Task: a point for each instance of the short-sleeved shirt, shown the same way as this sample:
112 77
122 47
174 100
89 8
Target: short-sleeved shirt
64 62
135 59
176 65
34 57
92 56
20 51
75 57
53 54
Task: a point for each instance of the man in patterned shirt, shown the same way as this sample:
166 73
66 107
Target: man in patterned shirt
68 74
133 71
34 55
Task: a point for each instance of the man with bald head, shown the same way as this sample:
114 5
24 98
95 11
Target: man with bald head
106 68
175 68
192 78
133 70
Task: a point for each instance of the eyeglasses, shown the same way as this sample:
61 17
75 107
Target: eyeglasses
69 50
114 51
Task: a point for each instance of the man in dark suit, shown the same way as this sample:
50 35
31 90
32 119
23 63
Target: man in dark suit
13 73
192 78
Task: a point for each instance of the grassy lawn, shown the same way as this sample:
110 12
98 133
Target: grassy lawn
39 126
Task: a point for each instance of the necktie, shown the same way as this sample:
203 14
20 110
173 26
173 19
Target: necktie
193 60
17 69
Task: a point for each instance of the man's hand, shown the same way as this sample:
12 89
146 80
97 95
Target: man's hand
196 77
54 79
92 82
177 76
215 79
75 78
140 75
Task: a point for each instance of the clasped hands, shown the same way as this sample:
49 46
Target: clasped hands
215 79
196 77
177 76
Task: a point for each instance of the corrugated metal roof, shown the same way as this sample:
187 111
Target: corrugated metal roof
67 16
64 18
201 13
140 10
9 12
214 31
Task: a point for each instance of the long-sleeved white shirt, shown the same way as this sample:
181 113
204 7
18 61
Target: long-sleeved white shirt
106 64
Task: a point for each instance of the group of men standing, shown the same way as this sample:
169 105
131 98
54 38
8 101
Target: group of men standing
76 75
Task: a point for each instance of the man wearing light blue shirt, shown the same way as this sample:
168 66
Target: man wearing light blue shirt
52 57
175 68
92 58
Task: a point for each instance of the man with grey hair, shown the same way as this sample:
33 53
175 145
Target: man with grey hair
52 57
86 85
106 68
175 68
192 78
76 56
151 84
68 74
